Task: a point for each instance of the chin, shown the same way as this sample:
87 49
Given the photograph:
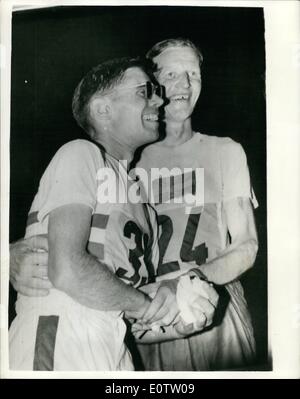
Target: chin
151 136
179 112
178 116
154 136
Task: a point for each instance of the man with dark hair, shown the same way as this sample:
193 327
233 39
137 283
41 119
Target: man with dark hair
79 325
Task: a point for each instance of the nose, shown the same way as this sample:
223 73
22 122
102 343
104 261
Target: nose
156 101
184 80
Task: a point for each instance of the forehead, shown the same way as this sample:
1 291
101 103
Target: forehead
173 56
134 75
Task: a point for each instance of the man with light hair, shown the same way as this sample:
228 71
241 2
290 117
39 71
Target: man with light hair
217 238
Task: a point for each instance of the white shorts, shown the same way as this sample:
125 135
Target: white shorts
68 337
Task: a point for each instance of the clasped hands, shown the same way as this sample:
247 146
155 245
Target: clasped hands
178 304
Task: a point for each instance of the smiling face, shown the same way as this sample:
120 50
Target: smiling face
179 71
135 117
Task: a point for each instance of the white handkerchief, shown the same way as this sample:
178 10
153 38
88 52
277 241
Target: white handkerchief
187 295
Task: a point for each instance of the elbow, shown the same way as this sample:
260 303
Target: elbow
55 276
65 272
60 277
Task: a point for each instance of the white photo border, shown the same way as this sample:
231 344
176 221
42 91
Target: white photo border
282 38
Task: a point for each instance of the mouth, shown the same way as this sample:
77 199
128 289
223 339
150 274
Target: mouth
180 97
150 117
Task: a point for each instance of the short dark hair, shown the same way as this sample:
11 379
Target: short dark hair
159 47
99 79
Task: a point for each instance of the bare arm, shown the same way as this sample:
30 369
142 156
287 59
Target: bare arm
241 253
73 270
168 333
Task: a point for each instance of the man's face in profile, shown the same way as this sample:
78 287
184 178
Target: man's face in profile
135 116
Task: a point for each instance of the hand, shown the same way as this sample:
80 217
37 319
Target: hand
163 309
133 315
198 301
28 266
185 330
204 318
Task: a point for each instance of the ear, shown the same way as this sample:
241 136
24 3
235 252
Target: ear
100 109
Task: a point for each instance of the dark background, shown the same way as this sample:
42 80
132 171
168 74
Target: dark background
53 48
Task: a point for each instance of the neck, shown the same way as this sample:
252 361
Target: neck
178 132
117 150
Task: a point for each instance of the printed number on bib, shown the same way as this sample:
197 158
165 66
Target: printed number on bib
137 256
198 254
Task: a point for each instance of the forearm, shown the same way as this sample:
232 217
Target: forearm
168 333
79 274
232 263
92 284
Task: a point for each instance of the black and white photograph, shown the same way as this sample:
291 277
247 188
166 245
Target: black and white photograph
138 189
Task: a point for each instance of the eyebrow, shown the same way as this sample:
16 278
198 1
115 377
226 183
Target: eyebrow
134 85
